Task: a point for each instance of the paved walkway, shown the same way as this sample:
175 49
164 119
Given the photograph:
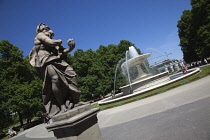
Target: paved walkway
179 96
187 122
180 113
38 132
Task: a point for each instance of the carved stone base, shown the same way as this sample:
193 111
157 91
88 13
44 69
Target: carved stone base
80 123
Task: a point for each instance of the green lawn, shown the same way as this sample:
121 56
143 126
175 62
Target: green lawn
205 71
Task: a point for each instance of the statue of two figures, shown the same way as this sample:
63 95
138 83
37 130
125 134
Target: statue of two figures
60 87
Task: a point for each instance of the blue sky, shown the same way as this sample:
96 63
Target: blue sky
146 23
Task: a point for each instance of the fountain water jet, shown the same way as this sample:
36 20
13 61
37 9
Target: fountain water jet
115 76
142 78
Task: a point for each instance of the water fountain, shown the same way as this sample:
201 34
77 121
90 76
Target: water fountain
144 80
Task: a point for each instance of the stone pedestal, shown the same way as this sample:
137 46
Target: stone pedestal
80 123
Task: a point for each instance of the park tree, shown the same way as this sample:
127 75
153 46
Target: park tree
96 69
200 26
82 63
194 30
20 88
9 56
186 37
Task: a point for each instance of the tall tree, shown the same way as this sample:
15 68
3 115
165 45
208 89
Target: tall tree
20 88
201 26
194 30
82 63
10 65
186 37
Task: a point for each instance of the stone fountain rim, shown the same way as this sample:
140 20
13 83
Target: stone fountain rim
137 57
147 78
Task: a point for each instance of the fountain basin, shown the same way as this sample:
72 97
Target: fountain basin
136 60
121 97
146 82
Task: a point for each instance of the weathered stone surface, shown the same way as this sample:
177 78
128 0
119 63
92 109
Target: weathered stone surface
72 120
72 113
60 86
79 123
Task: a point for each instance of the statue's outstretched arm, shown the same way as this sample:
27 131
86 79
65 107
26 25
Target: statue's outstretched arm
48 41
71 45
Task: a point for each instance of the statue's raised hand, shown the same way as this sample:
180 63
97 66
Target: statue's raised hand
71 45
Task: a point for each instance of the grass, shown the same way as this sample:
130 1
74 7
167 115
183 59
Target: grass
205 71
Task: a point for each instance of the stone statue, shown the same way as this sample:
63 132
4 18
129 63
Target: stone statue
60 87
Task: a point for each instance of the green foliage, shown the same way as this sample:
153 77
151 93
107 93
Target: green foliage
194 30
20 88
96 69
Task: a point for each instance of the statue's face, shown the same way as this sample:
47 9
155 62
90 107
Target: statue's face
49 33
45 28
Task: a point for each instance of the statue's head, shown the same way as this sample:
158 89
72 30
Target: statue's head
41 27
49 33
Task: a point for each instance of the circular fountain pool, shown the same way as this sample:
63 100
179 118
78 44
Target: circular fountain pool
173 78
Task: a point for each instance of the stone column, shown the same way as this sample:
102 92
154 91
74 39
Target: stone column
79 123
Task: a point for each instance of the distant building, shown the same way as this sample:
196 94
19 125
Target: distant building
169 65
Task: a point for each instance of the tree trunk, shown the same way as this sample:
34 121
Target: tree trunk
20 119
